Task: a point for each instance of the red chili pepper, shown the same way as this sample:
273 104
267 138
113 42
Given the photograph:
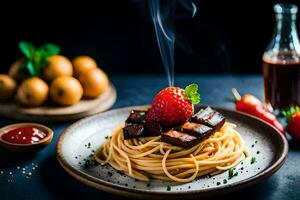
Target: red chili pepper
253 106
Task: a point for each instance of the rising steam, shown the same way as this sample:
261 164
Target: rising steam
163 20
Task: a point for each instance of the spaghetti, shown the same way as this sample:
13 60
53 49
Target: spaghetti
148 158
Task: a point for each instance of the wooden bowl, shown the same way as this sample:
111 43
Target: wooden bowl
23 148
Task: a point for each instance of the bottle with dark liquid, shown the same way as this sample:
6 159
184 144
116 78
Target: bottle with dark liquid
281 60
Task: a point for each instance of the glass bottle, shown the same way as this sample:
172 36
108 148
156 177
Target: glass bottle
281 60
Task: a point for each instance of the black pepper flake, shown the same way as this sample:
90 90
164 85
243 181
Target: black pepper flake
218 183
134 186
76 157
242 168
126 184
224 181
106 137
257 152
189 187
169 188
148 184
109 173
252 145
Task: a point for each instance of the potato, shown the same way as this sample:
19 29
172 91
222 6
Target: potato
94 83
58 66
7 87
14 71
82 64
33 92
66 91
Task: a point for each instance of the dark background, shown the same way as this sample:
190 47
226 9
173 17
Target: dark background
225 36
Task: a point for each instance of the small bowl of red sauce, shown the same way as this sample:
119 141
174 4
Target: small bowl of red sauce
25 137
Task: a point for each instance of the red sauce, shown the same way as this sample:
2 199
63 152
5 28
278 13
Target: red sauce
24 135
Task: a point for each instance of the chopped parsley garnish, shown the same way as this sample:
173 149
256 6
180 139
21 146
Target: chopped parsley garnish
256 142
168 188
231 173
253 160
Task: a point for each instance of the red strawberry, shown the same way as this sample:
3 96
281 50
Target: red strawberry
292 116
173 105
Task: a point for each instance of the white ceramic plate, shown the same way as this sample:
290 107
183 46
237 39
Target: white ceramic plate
78 142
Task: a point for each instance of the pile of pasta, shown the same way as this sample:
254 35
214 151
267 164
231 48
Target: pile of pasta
148 158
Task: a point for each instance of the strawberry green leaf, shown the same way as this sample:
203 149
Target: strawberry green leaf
191 93
290 111
27 49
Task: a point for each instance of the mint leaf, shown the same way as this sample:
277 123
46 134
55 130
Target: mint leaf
191 93
49 50
36 59
27 49
30 67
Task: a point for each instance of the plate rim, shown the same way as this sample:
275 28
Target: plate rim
122 190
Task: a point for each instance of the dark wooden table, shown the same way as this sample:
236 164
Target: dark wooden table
43 178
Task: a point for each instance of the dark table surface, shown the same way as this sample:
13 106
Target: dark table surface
43 178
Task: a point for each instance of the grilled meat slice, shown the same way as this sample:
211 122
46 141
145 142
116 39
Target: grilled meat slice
216 121
202 116
179 139
136 117
198 130
152 130
209 117
133 131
